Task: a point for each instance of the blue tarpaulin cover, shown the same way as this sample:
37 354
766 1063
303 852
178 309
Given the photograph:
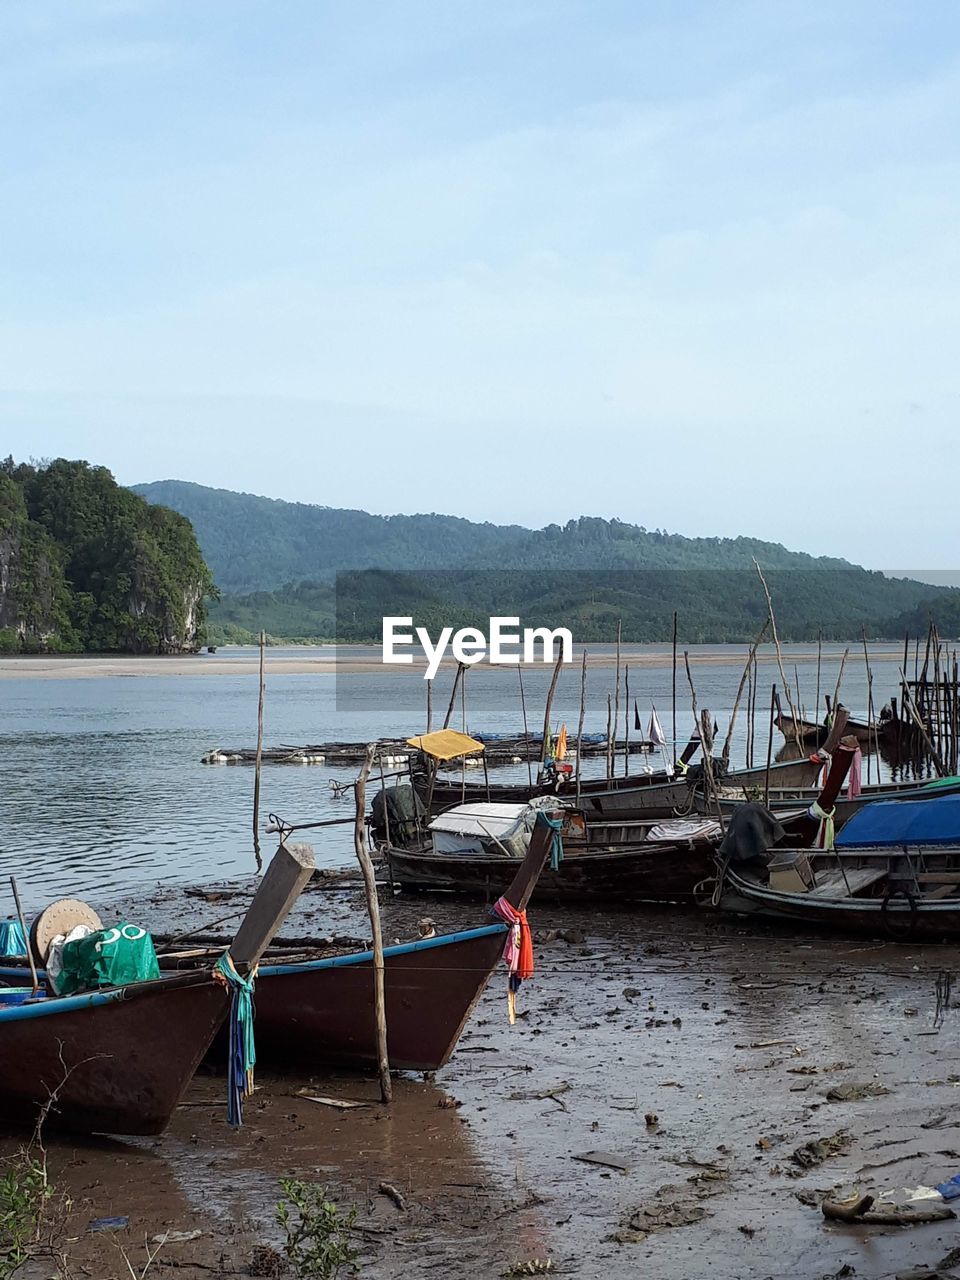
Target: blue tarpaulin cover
903 822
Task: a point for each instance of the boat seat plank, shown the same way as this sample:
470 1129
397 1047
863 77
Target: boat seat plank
938 877
831 884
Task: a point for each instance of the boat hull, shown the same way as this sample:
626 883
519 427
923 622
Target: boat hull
660 873
119 1061
321 1013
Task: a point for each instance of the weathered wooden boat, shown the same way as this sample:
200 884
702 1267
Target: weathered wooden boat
786 805
473 849
115 1061
812 733
119 1060
895 872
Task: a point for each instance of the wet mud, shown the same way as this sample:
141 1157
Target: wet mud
676 1099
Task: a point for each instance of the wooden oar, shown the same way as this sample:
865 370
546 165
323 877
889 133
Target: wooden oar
23 926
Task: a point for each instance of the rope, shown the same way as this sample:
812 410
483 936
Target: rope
243 1053
827 826
556 840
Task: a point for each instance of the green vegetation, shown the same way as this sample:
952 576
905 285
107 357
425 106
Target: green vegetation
318 1234
86 565
24 1192
317 573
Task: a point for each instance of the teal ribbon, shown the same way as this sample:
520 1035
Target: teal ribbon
243 1052
556 841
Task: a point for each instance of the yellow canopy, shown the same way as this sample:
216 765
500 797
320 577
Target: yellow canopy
446 744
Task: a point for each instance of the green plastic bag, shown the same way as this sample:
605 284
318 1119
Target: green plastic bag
108 958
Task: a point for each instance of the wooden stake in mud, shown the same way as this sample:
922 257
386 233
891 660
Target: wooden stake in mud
702 721
549 705
373 910
453 695
766 780
583 707
526 731
725 755
626 720
816 705
616 703
673 744
259 761
429 684
23 928
776 641
610 733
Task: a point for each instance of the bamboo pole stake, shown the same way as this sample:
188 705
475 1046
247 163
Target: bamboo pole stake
673 745
705 743
526 731
816 705
766 780
776 641
934 754
429 684
626 720
23 927
609 736
836 691
463 730
373 910
453 695
725 754
548 706
259 760
583 708
616 705
748 758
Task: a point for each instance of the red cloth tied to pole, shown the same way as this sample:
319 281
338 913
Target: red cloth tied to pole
518 952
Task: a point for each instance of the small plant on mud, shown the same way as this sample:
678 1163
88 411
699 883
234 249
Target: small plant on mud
24 1192
317 1233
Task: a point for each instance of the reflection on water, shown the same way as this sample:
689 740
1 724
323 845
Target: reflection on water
101 785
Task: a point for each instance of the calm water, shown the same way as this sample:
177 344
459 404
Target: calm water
102 789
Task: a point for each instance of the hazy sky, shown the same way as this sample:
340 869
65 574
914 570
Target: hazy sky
691 264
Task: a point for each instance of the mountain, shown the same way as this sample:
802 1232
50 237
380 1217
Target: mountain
88 565
306 571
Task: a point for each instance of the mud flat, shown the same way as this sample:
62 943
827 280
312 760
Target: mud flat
731 1039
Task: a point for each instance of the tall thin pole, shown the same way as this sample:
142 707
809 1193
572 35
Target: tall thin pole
453 696
429 684
674 744
526 731
463 730
583 707
610 732
626 720
549 704
766 780
816 705
23 930
259 762
616 704
373 910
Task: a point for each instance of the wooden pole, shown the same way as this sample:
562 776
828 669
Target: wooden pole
259 761
289 870
583 707
616 704
373 910
702 722
609 736
453 696
816 705
725 755
766 780
23 928
526 731
429 684
463 730
548 706
673 745
626 720
776 641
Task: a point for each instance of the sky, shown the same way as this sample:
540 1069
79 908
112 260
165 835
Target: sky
692 265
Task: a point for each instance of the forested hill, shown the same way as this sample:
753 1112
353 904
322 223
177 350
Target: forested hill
86 565
260 544
275 562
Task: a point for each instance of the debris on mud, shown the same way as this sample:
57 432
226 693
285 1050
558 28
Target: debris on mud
856 1092
669 1208
817 1150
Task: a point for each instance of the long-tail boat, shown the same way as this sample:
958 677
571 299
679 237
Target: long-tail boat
319 1012
894 871
316 1008
119 1060
472 849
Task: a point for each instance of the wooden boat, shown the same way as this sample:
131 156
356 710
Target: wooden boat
119 1060
895 871
786 805
319 1012
116 1061
472 849
812 733
636 797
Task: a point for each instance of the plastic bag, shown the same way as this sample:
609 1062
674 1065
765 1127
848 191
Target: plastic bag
111 957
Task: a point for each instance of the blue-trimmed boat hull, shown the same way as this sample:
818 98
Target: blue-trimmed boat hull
116 1061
